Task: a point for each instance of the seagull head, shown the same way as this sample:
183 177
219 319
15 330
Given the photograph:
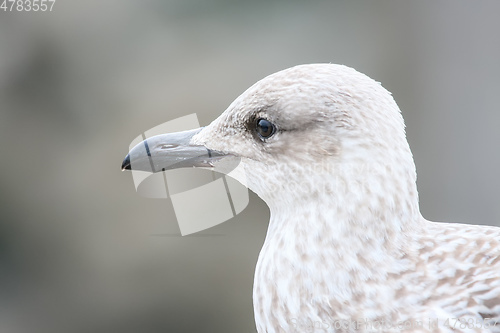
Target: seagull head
306 131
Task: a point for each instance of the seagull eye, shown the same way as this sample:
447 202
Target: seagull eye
265 128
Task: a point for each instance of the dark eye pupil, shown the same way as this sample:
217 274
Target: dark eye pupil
265 128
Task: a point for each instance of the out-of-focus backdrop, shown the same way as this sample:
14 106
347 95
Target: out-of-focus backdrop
81 251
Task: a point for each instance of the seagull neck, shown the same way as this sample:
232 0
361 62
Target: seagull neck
335 248
351 207
340 227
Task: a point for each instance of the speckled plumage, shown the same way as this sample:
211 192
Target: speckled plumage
347 248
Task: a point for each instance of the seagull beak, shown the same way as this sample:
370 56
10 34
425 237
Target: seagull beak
170 151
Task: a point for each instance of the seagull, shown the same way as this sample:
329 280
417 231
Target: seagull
347 249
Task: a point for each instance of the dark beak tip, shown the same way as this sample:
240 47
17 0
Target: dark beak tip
126 163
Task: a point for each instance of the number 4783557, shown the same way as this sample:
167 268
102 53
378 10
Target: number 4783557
27 5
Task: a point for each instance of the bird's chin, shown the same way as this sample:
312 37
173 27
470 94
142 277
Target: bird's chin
232 166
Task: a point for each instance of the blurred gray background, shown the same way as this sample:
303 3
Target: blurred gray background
81 251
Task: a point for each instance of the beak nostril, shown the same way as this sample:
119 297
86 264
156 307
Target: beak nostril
169 146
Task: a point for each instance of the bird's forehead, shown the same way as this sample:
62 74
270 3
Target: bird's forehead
291 93
299 83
